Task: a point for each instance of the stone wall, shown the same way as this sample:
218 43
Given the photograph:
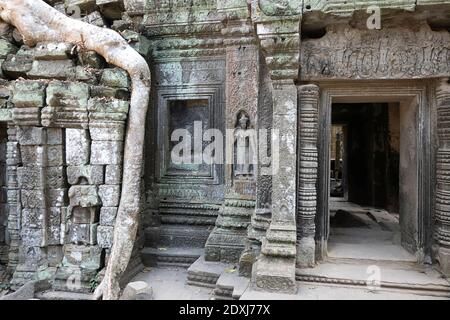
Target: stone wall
66 112
65 148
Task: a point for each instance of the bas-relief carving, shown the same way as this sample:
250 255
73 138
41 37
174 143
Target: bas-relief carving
243 148
400 53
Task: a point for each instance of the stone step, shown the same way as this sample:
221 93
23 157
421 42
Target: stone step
170 257
375 251
230 286
177 235
205 273
425 280
401 265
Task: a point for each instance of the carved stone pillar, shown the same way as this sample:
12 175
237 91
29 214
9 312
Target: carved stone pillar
227 240
13 197
278 28
262 215
307 176
442 214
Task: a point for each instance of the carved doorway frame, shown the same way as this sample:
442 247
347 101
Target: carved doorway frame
418 93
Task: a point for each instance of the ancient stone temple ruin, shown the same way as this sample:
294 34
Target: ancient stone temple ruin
335 122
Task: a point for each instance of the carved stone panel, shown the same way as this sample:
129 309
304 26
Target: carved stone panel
400 53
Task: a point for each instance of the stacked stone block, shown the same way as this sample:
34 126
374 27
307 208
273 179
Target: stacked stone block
63 162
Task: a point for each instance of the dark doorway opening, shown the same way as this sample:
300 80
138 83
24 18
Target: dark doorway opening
364 181
366 141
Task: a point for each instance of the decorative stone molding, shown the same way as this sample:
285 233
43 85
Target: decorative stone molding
307 175
279 36
345 8
442 214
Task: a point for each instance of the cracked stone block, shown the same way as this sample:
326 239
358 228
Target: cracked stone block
116 78
31 237
106 152
54 69
105 236
108 216
113 174
139 43
66 105
80 234
55 215
68 94
91 59
55 155
57 197
108 92
29 177
54 255
109 106
32 217
85 75
95 18
52 51
28 154
28 99
93 174
28 94
109 194
16 66
55 177
107 132
77 147
53 235
82 215
5 92
84 256
54 136
6 48
138 290
30 136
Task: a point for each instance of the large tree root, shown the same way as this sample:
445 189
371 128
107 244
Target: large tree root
39 22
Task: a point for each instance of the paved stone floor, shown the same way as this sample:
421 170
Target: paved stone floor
169 284
362 241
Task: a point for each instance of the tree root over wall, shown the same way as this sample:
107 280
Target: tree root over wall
39 22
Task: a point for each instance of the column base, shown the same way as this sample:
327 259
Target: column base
227 241
225 245
274 274
306 251
444 260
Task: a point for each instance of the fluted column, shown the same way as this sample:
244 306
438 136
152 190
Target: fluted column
442 214
307 177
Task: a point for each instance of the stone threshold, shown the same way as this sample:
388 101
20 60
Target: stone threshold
223 278
425 280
